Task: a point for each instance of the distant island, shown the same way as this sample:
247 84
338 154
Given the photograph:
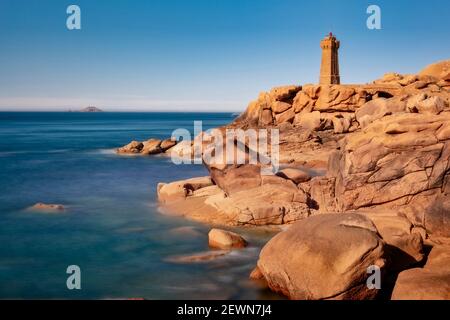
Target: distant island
91 109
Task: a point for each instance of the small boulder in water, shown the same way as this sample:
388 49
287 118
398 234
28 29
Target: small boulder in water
47 207
222 239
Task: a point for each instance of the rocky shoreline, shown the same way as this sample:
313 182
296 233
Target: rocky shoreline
364 183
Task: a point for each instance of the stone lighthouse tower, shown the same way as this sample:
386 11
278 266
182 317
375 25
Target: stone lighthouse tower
329 68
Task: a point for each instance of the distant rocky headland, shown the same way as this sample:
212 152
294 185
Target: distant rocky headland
364 183
91 109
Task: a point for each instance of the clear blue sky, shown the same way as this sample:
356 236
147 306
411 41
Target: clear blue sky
213 55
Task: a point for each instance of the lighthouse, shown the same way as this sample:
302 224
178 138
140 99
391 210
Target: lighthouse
329 68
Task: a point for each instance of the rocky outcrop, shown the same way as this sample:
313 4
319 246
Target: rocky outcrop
324 257
272 201
223 239
398 159
315 106
383 146
148 147
308 106
400 163
377 156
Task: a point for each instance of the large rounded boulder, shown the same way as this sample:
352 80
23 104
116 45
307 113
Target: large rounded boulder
325 256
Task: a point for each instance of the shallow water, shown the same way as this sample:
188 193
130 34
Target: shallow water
112 229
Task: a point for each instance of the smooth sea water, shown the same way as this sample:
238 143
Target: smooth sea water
112 228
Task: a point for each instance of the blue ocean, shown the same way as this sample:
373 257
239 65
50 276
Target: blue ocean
112 228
